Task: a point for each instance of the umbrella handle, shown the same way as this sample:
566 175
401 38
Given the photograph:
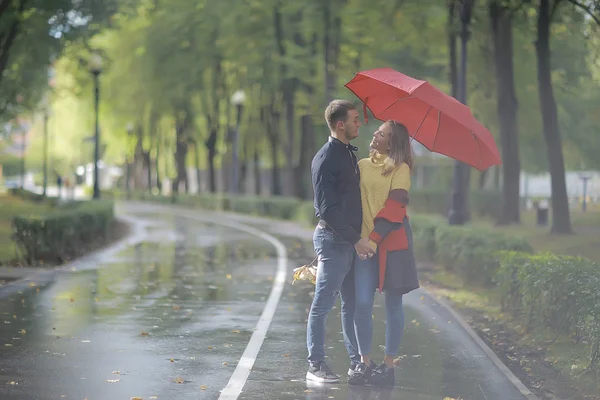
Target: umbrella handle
365 112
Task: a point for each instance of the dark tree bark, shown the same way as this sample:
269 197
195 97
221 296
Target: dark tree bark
561 221
501 21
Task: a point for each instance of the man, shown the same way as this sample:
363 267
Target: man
337 240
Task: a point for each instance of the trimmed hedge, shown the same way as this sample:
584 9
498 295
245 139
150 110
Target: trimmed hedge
558 292
63 234
467 251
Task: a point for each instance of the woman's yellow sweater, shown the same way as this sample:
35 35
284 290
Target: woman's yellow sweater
375 189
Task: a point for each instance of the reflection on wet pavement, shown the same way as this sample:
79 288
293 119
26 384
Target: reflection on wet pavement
170 317
162 312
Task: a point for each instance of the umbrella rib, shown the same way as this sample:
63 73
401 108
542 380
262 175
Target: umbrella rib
478 148
388 107
421 124
439 121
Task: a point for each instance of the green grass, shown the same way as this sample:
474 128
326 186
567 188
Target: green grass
583 242
9 208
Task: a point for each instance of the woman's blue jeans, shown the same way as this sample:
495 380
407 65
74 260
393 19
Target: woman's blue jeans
366 278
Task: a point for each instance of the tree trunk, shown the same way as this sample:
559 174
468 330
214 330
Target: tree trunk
257 172
148 164
273 134
332 26
501 20
181 150
561 222
7 43
453 76
211 146
157 175
306 151
197 165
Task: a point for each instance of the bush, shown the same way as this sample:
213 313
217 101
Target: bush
63 234
467 251
559 292
26 195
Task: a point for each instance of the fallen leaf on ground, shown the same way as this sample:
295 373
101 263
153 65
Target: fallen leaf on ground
203 387
144 334
116 372
210 347
22 331
136 398
225 363
235 331
228 276
286 355
113 380
179 380
172 360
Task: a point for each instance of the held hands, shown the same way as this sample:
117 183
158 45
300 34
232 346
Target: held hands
364 249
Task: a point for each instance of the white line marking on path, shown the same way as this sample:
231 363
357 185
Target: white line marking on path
242 371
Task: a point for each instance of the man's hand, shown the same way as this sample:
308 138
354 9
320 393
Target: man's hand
364 249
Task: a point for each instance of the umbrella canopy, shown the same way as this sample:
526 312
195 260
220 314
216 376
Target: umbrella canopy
436 120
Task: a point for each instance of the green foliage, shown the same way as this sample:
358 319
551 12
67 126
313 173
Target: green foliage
559 292
34 34
467 251
61 235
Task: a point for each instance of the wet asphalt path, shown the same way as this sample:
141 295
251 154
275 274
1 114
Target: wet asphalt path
170 317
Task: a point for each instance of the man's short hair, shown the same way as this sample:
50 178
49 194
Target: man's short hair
337 111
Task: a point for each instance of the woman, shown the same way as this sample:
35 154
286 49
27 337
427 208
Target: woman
384 184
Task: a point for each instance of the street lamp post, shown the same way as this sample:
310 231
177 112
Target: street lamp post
96 69
457 215
238 99
127 163
45 151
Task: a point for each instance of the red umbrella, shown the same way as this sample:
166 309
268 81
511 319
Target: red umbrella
439 122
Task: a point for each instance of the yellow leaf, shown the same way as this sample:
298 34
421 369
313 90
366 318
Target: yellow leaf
210 347
203 387
144 334
228 276
137 398
179 380
176 307
286 355
172 360
23 331
235 331
225 363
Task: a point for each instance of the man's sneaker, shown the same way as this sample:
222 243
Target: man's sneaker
383 376
321 373
362 375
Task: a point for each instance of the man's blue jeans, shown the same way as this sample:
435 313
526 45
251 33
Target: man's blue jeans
335 275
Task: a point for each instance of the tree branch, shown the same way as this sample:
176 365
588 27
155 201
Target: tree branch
587 9
4 6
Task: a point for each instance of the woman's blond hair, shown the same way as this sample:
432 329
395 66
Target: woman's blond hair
400 150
